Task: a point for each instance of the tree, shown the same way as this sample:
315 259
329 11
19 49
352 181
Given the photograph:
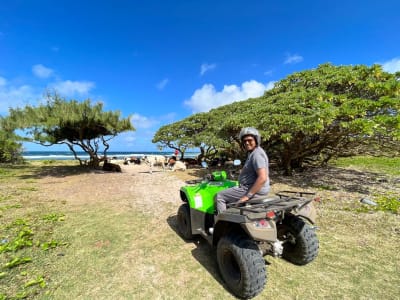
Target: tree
312 116
171 136
196 131
73 123
10 149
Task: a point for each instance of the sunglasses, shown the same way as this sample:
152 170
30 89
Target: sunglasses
248 141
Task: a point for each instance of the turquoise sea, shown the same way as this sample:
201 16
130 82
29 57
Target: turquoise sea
67 155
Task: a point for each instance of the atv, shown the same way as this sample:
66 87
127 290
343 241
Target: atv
281 226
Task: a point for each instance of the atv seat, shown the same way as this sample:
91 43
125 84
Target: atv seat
261 200
255 201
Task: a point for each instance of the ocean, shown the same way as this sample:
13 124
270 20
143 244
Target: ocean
67 155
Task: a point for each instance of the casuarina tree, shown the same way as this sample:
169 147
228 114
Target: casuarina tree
10 148
79 125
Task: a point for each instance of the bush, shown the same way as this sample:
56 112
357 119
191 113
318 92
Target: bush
10 149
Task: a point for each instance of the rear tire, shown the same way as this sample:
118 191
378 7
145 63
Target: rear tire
241 265
184 222
301 243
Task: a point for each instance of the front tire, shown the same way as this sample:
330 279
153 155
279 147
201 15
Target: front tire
184 222
301 243
241 265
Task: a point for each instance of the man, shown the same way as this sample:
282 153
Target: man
254 177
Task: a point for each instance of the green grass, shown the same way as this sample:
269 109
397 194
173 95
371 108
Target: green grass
25 246
55 250
384 165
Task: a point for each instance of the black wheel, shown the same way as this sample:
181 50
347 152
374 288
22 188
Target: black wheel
241 265
300 241
184 223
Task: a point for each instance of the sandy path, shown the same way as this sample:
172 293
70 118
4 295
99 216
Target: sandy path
135 186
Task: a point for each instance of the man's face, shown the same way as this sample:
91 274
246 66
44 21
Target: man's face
249 143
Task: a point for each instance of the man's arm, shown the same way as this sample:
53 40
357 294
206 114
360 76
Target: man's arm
262 177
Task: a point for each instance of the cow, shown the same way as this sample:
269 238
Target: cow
107 166
154 160
131 160
175 164
179 165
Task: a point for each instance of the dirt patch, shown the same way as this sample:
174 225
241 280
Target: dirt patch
137 187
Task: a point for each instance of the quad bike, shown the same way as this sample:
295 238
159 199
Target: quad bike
281 226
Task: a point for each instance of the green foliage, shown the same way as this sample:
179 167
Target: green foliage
10 149
54 217
309 117
37 281
200 131
16 261
387 202
73 123
20 242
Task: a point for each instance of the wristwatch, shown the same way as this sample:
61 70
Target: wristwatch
250 195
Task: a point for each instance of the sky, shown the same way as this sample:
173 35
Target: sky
159 61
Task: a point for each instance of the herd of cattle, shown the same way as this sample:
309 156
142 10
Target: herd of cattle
165 162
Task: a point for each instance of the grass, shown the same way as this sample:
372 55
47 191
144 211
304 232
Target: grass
113 248
385 165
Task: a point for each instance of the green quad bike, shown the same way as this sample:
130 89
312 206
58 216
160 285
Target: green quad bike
281 226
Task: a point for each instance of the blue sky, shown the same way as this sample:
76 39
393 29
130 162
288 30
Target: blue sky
161 61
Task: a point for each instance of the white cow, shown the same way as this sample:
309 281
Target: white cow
179 165
155 160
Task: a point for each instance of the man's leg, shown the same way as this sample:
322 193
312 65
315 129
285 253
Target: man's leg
228 196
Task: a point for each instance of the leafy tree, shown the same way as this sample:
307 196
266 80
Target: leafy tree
312 116
171 136
10 149
196 131
76 124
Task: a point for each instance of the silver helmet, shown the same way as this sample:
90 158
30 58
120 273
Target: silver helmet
250 131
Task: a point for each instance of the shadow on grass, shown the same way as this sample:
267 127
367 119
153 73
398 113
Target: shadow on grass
333 178
204 253
32 171
322 178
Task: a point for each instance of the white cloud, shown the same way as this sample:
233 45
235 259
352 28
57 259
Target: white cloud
71 88
207 97
293 59
391 66
15 96
206 67
140 121
141 138
3 81
134 141
162 84
41 71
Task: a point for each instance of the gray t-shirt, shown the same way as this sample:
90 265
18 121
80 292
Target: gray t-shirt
256 159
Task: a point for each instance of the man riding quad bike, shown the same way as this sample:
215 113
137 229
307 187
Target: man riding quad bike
245 231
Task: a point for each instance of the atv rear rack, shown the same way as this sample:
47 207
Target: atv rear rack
285 200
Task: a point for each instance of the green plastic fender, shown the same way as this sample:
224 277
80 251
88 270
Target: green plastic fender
201 196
